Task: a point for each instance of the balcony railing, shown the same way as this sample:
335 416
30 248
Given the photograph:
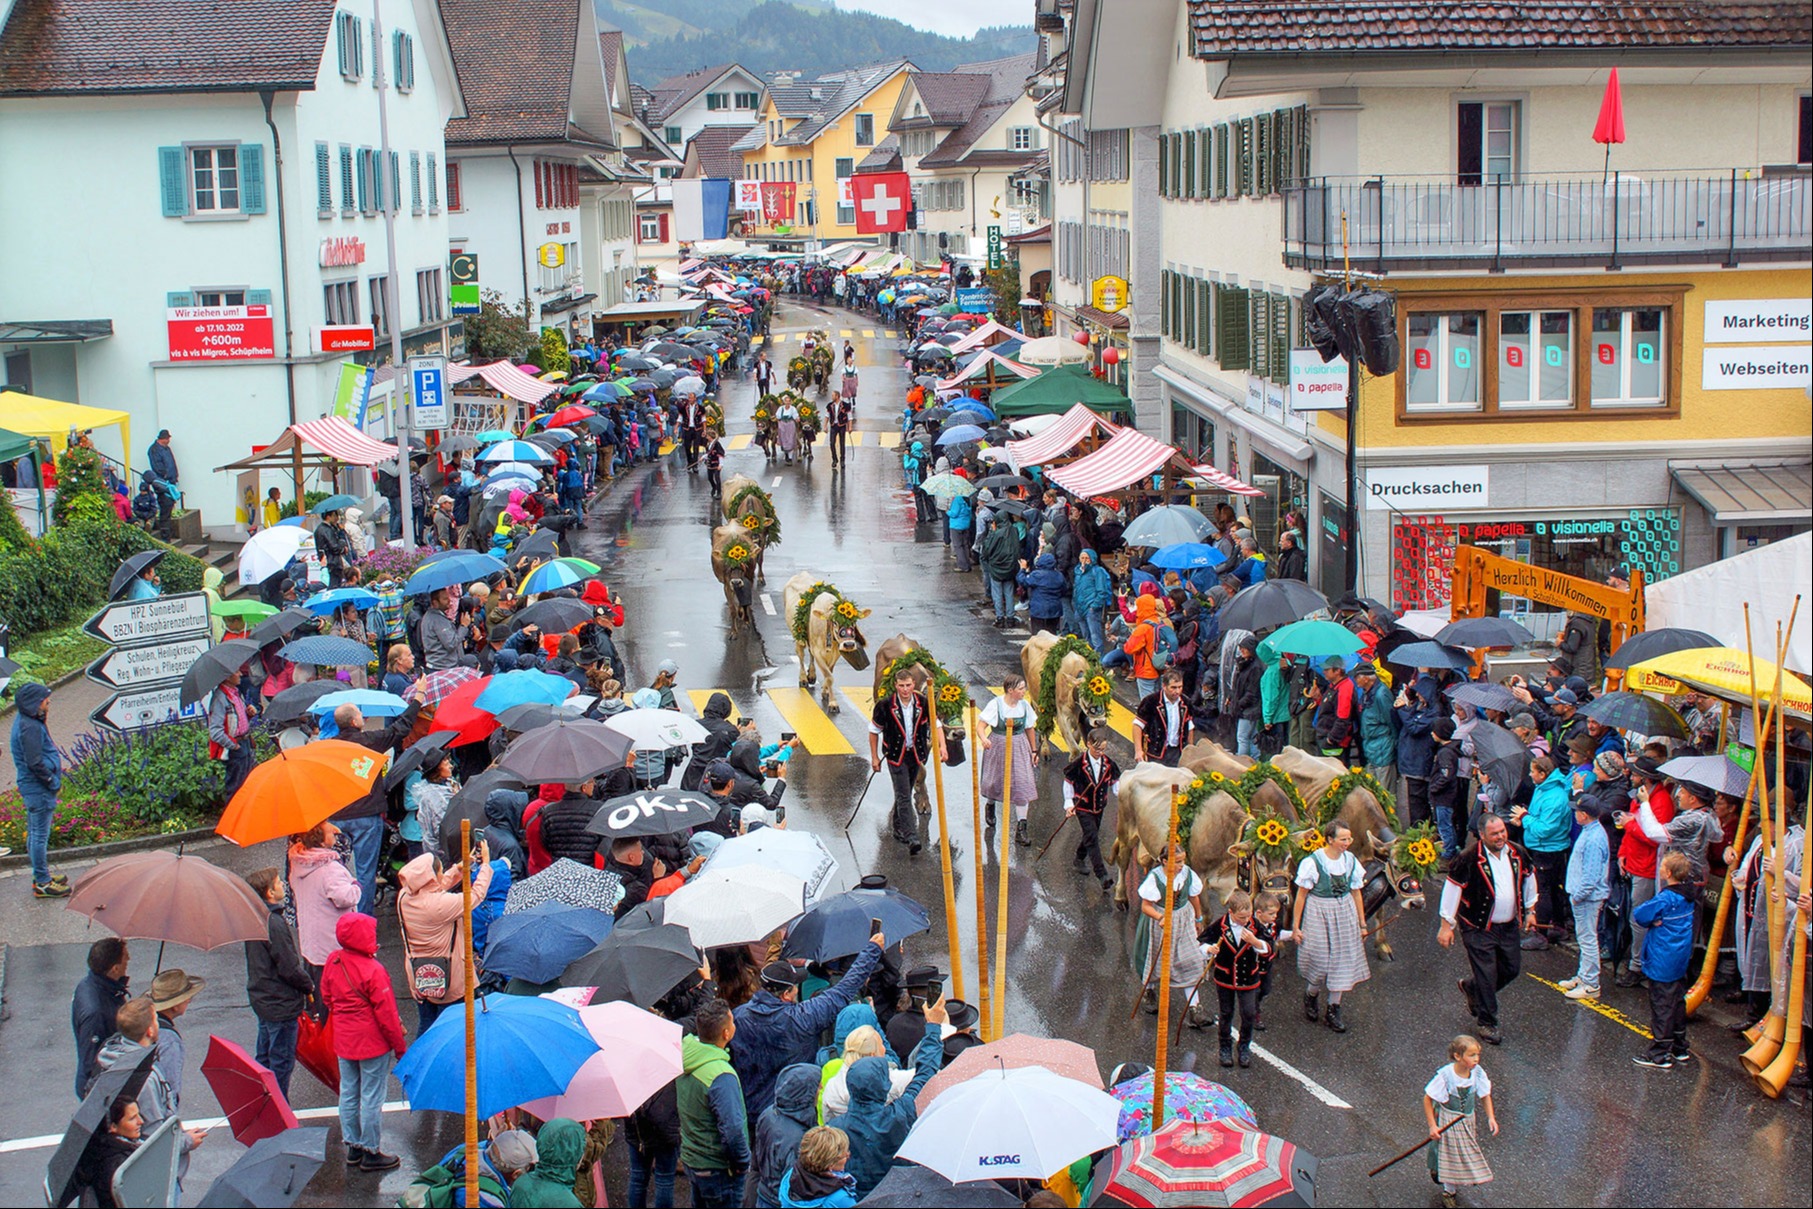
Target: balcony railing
1399 223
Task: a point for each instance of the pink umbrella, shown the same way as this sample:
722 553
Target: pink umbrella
641 1055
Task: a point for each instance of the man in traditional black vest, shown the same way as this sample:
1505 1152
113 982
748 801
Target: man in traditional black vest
692 432
1089 785
1491 887
900 732
1161 724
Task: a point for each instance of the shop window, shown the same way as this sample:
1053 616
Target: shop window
1535 359
1442 370
1627 357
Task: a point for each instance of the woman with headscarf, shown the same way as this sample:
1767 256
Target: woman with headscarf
1011 708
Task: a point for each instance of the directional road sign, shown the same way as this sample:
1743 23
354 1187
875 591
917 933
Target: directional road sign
153 663
145 707
165 617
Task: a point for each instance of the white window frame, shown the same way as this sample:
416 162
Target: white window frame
1534 400
431 295
648 228
192 169
230 295
1520 109
1021 138
1442 361
1626 361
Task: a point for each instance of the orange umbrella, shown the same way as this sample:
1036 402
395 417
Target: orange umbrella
296 789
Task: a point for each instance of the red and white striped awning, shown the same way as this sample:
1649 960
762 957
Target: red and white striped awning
979 369
335 438
1218 481
985 335
1071 428
506 379
1129 456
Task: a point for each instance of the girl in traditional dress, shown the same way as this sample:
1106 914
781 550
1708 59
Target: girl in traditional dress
1187 959
1453 1094
1010 705
1329 925
786 422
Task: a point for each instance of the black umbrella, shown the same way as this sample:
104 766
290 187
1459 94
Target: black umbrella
841 925
667 350
1501 754
469 803
460 442
639 965
638 363
293 702
214 665
1482 632
909 1184
1483 694
1013 508
532 714
1634 711
279 627
556 615
1428 654
1002 482
653 812
1268 605
642 384
933 415
650 913
1351 603
115 1083
542 544
1653 644
425 752
130 569
272 1174
566 752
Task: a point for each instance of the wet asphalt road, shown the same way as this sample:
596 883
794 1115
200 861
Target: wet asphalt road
1581 1125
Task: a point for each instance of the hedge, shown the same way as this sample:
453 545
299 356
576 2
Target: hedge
62 577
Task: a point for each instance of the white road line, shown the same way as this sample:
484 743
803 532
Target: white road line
1314 1088
776 483
45 1141
768 604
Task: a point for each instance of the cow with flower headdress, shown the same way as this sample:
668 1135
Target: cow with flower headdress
827 627
1068 686
735 555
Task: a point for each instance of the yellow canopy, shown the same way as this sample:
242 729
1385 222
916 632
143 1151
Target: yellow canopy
52 420
1725 673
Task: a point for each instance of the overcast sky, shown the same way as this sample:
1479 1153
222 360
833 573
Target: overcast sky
957 18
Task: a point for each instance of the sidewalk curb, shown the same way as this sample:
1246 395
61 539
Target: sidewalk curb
109 848
11 704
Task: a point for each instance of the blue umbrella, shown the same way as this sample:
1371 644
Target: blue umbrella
1431 654
371 702
331 600
1186 555
334 503
325 650
289 520
513 478
537 944
551 576
960 434
456 570
523 688
528 1048
516 451
840 925
974 407
492 435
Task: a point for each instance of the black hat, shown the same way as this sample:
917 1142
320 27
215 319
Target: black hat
921 978
962 1015
782 975
1443 729
1648 766
719 775
873 881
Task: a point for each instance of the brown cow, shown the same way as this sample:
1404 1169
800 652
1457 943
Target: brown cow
1145 814
759 504
739 590
1072 723
887 653
829 638
1206 755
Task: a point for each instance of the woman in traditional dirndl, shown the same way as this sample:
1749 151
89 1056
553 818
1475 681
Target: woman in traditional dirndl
1010 705
1329 925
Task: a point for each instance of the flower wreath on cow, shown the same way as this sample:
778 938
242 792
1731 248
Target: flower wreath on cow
1093 691
765 529
948 695
741 556
801 621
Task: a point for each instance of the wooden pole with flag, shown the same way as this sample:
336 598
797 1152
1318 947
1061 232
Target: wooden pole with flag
1609 128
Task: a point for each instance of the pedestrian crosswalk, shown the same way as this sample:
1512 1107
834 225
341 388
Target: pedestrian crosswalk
848 333
878 440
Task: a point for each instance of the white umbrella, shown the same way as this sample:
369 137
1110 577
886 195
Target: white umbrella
1426 622
796 853
691 384
268 551
1051 350
1025 1123
736 906
657 729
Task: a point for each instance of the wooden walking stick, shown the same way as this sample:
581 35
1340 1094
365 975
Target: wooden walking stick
1062 823
471 1016
985 1007
944 845
1400 1158
1007 803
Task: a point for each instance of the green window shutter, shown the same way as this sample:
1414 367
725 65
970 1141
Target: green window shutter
396 181
340 41
1262 154
1189 313
258 298
1284 146
365 206
1206 185
1233 338
1303 141
172 171
1245 185
1164 165
434 185
324 179
415 182
251 178
346 178
1177 165
1164 302
1259 324
1282 314
180 298
1205 326
1221 160
1189 163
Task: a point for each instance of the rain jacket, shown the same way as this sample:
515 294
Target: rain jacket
1416 721
1093 591
97 1000
772 1034
277 983
1668 947
833 1190
1549 825
876 1127
1248 697
721 731
324 890
1142 643
1274 693
35 756
1589 867
1046 583
503 818
1000 552
1378 726
549 1184
782 1125
714 1120
962 513
355 986
486 912
430 907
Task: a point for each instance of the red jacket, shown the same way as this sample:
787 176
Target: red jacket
355 986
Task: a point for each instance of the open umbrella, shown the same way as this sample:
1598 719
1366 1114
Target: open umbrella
292 703
527 1048
1188 1097
738 905
524 687
492 436
177 897
555 615
638 965
947 486
459 442
1166 525
436 687
1012 1124
572 413
566 752
280 627
1268 605
424 753
1220 1163
1721 774
272 1174
255 610
1500 753
213 666
255 1107
1309 638
839 925
1726 673
459 713
1637 712
327 650
909 1184
1430 654
469 805
532 714
639 1055
1653 644
130 568
975 407
658 729
537 944
1012 1052
454 571
541 544
653 812
296 789
566 881
335 503
121 1082
798 854
373 703
1478 633
269 551
1186 556
1483 694
960 434
516 451
554 575
998 483
334 599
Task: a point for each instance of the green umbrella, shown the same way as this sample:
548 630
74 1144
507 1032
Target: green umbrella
243 608
1312 638
947 486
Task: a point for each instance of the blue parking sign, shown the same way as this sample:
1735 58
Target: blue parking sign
428 391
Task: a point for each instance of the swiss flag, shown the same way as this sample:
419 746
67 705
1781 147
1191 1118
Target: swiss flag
882 202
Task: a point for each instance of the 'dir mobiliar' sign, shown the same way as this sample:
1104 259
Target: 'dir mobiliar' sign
220 333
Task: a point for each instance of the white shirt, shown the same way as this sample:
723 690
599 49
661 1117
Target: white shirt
906 718
1187 885
994 715
1095 774
1445 1083
1504 886
1348 866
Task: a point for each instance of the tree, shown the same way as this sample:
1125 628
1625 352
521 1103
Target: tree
1005 282
497 331
78 476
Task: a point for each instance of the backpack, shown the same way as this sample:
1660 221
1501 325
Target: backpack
443 1186
387 485
1164 645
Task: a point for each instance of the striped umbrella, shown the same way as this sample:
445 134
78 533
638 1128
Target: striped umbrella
552 576
436 686
1223 1163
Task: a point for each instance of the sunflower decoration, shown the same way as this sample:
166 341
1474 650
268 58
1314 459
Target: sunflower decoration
1313 841
1099 686
1259 774
847 610
1269 838
1216 777
752 522
801 621
740 555
1188 801
1418 852
1093 691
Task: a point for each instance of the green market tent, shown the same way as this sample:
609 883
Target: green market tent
14 445
1054 391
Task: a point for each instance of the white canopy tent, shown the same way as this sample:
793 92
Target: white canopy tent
1712 598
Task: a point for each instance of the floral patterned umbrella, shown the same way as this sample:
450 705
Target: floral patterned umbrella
435 686
1188 1097
566 881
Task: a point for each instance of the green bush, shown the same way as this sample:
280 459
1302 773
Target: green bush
155 775
12 530
64 576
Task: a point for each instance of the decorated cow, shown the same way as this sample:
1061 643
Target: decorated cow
1069 689
826 628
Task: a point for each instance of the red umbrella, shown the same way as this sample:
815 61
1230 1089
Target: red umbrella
1609 128
1223 1163
459 713
248 1093
573 413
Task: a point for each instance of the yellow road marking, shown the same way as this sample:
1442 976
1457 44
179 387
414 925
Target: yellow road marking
867 334
1609 1012
890 440
845 334
890 336
862 698
701 696
740 441
854 438
1120 720
667 447
813 725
